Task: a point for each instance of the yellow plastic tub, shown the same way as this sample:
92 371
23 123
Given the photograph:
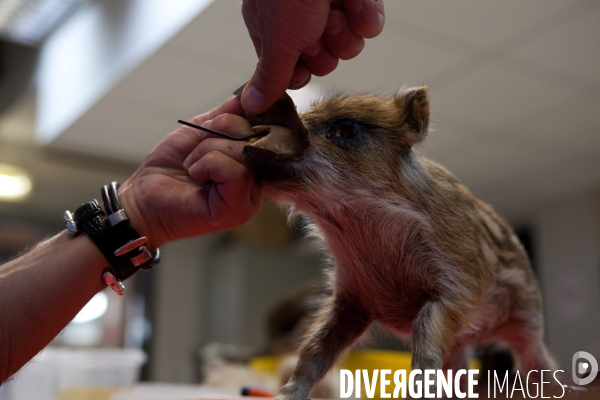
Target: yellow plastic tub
364 359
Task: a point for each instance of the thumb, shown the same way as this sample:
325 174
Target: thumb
273 75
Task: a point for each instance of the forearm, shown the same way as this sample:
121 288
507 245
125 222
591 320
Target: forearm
41 292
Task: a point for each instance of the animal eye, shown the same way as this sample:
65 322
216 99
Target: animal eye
343 129
345 134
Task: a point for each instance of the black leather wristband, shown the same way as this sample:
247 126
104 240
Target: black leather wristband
114 236
91 219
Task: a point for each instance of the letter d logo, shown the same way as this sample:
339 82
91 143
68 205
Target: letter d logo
581 367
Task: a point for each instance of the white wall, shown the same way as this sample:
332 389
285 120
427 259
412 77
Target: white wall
568 258
178 318
246 282
208 291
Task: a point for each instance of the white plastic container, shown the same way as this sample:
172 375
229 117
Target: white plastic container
95 374
36 380
69 374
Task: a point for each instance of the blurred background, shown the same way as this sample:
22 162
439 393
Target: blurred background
88 88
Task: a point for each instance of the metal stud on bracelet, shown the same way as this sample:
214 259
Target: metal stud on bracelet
141 258
138 254
69 219
114 283
117 216
130 246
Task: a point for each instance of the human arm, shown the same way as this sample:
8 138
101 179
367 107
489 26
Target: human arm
296 38
43 290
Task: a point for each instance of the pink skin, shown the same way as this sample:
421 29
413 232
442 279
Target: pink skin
166 203
231 124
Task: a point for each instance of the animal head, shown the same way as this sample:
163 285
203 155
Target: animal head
347 143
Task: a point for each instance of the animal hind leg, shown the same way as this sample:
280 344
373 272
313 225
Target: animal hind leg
433 335
338 325
526 342
459 359
530 354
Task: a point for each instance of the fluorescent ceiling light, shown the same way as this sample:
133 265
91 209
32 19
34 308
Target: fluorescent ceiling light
91 52
30 21
15 183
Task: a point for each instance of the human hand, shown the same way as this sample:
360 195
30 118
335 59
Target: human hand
165 203
296 38
229 123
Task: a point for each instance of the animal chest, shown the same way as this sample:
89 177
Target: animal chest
390 292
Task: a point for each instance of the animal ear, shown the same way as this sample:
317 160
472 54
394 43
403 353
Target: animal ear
414 106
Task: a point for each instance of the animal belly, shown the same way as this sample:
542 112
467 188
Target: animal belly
397 310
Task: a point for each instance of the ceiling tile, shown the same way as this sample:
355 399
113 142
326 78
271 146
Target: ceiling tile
220 29
480 22
144 106
171 86
389 62
115 130
572 133
525 192
494 97
573 48
446 142
561 179
495 163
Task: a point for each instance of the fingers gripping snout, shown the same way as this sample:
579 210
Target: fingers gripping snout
220 162
232 197
217 167
230 124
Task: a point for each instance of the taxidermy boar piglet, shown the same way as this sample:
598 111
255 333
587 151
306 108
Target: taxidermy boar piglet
412 248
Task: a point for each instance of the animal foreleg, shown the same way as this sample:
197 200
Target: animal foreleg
338 325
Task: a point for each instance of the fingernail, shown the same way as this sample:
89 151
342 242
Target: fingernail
312 50
334 24
187 162
300 82
252 99
202 134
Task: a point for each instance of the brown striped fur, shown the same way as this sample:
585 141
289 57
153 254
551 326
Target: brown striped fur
412 248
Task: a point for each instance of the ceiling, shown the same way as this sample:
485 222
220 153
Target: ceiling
514 85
